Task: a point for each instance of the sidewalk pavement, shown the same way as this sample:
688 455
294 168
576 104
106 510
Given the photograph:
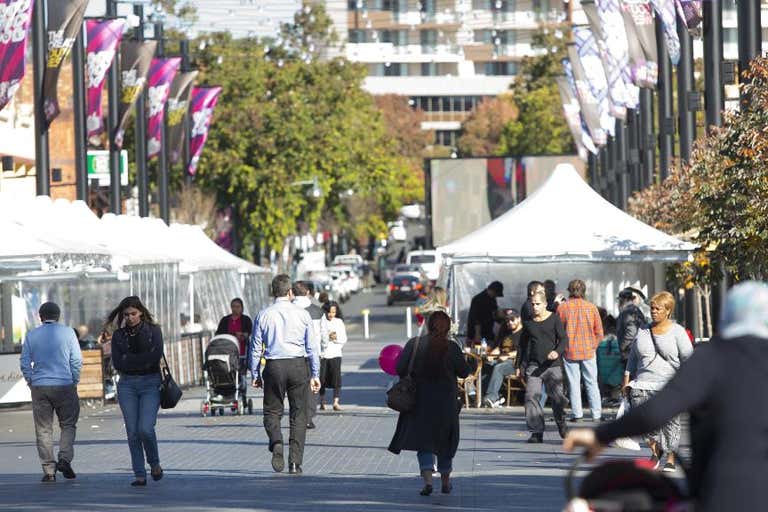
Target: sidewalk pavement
221 463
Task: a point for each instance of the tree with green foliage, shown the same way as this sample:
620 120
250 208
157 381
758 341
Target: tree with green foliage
481 132
540 127
284 121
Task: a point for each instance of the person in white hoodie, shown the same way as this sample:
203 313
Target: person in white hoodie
333 336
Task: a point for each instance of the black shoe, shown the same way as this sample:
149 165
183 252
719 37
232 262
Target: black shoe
446 489
575 420
48 478
294 469
562 429
278 463
157 473
311 425
426 491
536 438
139 482
66 469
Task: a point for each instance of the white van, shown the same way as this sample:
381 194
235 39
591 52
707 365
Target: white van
428 262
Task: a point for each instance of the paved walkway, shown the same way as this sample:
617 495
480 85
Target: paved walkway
221 463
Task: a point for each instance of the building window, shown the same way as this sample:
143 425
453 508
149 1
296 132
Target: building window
428 69
395 69
496 68
428 39
446 137
396 37
356 36
482 5
428 6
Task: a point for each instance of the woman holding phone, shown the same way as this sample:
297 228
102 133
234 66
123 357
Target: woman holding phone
333 336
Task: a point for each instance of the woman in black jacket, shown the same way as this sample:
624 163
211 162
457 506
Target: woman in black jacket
721 385
137 347
237 324
432 428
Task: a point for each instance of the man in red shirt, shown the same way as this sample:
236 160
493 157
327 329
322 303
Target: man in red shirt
585 330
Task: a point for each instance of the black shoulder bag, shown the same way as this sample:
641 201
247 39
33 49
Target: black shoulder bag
170 392
402 396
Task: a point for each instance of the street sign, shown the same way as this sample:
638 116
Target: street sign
98 167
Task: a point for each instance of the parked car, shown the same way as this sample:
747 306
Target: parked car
427 260
348 276
348 259
404 287
413 270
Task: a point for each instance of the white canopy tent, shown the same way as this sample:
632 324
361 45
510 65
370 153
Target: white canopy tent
564 231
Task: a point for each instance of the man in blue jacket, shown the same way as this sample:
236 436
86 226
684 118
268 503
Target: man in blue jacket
51 362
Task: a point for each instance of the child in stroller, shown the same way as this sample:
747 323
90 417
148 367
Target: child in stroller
225 379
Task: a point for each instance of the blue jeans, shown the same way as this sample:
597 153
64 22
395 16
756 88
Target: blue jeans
139 399
427 462
500 371
574 370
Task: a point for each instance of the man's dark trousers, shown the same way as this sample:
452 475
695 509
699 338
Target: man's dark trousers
64 401
291 377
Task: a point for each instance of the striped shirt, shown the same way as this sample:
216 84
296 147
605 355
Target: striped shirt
584 327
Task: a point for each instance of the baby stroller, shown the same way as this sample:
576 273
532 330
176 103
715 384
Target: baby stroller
624 486
225 382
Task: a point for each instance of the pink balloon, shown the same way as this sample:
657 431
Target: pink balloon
388 358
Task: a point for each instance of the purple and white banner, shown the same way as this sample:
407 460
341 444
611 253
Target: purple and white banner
572 113
590 111
15 16
638 21
690 12
586 47
65 21
617 91
203 102
161 74
103 38
178 110
612 22
665 9
135 60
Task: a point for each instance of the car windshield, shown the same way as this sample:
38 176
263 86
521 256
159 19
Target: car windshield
422 258
407 268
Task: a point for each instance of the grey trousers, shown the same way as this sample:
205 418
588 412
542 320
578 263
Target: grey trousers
62 400
550 378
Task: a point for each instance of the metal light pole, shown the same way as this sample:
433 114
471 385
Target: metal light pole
713 61
81 128
750 38
39 58
665 112
687 116
162 157
140 131
622 188
605 179
647 139
633 151
185 66
113 117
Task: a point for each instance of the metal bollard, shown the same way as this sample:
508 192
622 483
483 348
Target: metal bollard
366 332
408 323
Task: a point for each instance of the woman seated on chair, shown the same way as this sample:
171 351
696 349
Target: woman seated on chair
507 342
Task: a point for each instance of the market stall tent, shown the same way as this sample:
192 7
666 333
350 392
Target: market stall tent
563 231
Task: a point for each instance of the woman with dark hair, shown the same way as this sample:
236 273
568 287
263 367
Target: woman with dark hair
432 428
237 324
137 347
333 336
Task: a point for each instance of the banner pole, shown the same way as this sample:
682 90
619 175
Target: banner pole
113 115
78 84
184 51
142 180
162 157
39 57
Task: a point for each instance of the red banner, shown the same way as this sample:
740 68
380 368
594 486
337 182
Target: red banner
204 100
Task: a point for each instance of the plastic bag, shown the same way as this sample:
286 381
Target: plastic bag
625 442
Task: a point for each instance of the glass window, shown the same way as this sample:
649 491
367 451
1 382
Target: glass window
428 69
435 103
481 5
428 37
458 104
394 69
445 104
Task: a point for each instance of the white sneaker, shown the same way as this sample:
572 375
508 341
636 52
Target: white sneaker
498 403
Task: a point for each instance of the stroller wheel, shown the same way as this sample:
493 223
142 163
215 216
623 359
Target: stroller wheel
250 406
240 407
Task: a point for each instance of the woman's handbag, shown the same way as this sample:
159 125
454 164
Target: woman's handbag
170 392
402 396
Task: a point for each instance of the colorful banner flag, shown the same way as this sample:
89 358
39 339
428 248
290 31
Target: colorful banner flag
65 20
690 12
203 102
590 112
135 60
178 108
572 113
612 23
161 74
617 91
665 9
15 17
103 38
589 58
638 21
